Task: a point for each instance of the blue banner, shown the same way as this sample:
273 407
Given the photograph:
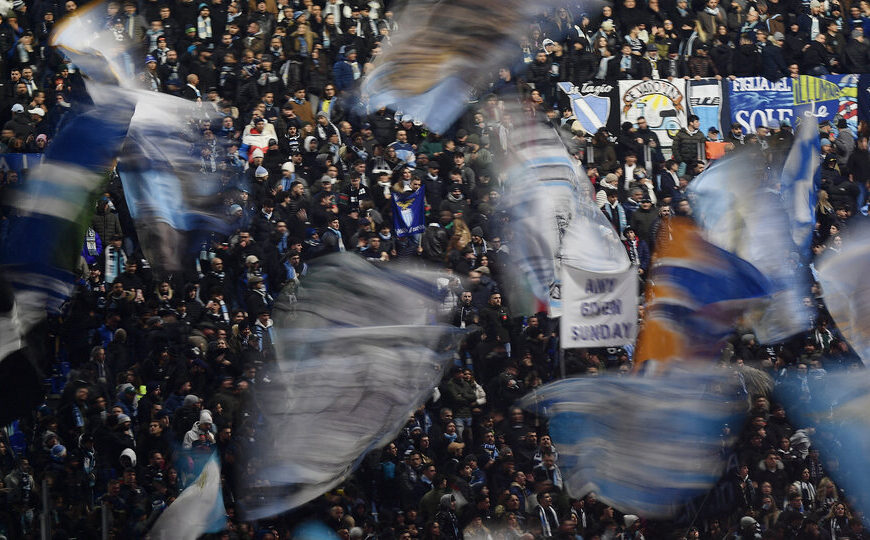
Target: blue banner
756 101
409 212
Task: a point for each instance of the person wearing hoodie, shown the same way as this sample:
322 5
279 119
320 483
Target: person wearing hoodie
200 435
447 519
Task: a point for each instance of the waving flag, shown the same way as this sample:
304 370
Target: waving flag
53 205
644 445
357 355
801 180
739 211
847 292
549 200
442 54
697 294
836 405
409 212
169 196
197 511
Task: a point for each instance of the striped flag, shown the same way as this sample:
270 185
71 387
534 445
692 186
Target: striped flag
800 182
644 445
740 211
54 204
696 295
197 511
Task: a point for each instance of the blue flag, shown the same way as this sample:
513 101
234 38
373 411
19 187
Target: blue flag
800 182
409 212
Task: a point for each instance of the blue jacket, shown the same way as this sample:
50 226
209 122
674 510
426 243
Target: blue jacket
342 74
772 63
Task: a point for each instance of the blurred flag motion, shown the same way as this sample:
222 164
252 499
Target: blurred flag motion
357 355
643 444
696 294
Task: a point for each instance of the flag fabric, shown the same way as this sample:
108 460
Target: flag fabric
439 58
696 295
847 292
20 377
52 208
169 195
198 510
357 354
739 210
836 405
801 180
553 219
644 445
409 212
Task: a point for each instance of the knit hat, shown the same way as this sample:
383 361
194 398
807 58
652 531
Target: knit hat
123 418
190 399
257 153
235 208
205 418
630 519
261 171
477 231
58 452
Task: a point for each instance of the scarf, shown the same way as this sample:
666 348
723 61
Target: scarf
633 255
203 27
549 521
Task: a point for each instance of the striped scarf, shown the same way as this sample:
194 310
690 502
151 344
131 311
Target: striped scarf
549 521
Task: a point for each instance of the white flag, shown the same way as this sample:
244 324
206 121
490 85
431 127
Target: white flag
197 511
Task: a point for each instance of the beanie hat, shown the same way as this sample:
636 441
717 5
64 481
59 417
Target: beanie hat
190 399
205 417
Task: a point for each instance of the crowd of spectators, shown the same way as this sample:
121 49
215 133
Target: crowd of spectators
153 372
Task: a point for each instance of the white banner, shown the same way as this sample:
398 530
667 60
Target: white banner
598 310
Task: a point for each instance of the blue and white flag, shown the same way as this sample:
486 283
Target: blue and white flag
197 511
836 405
168 194
52 207
644 445
801 180
409 212
847 291
554 221
357 355
742 213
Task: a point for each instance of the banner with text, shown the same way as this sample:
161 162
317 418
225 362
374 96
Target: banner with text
756 101
663 103
705 102
598 310
595 105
